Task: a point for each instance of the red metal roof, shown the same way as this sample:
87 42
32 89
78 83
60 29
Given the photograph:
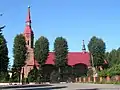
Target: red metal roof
78 57
28 19
28 30
50 59
73 58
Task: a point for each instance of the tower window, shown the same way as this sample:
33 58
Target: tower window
28 43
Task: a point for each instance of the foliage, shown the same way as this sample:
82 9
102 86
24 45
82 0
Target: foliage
54 77
4 60
90 72
114 57
19 51
33 74
103 73
1 29
4 77
107 55
15 75
97 48
61 51
115 70
41 50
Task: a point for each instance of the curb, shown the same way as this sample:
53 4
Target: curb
23 86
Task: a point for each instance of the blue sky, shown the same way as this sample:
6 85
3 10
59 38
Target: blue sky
75 20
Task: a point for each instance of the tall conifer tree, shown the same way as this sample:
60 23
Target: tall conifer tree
19 51
4 60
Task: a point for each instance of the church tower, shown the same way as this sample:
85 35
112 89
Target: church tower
28 33
29 38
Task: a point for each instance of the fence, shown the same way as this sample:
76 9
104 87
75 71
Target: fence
98 79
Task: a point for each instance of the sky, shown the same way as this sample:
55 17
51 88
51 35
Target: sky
75 20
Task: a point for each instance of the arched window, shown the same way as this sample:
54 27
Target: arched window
27 42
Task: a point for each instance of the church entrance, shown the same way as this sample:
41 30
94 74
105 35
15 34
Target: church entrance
79 70
47 70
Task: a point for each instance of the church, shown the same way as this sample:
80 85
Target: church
74 58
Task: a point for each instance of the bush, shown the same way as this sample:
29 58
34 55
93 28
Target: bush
33 75
54 77
4 77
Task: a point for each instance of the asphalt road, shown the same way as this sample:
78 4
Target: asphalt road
72 86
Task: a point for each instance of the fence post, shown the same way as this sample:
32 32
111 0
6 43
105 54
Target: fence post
89 79
108 78
80 79
101 79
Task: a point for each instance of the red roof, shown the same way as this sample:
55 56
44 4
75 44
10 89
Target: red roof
73 58
50 59
28 30
28 19
78 57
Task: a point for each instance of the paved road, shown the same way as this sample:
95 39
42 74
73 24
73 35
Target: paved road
72 86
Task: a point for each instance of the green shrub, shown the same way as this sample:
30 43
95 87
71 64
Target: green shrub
33 75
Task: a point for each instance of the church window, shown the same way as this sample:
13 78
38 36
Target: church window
28 43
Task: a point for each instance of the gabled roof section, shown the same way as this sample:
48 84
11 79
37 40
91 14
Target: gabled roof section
73 58
78 57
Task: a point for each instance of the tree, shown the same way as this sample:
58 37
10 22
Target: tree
1 29
41 53
118 54
61 52
113 57
19 51
33 75
41 50
97 48
4 60
107 55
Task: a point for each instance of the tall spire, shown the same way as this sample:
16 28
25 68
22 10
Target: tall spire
28 19
28 33
83 47
28 23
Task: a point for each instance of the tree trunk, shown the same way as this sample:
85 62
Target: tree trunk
19 70
59 70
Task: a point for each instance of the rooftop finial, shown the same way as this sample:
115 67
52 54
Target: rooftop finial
83 47
28 6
